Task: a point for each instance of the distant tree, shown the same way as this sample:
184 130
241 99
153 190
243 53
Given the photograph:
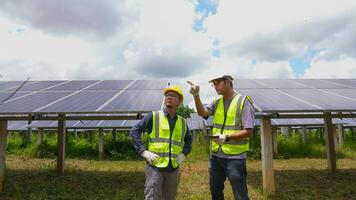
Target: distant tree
184 111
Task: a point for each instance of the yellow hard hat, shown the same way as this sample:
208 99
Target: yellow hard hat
174 88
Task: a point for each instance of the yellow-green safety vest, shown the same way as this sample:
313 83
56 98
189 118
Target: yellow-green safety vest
237 104
160 142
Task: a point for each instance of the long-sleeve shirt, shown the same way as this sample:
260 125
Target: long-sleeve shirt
146 125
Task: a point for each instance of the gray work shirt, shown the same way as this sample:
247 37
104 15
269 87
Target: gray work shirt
248 120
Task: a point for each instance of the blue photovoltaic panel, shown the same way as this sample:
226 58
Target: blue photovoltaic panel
31 102
52 124
86 124
349 93
43 124
282 83
148 85
111 85
17 125
195 122
112 123
89 101
73 85
4 95
248 84
271 100
136 101
303 122
343 83
129 123
40 85
323 99
351 122
319 84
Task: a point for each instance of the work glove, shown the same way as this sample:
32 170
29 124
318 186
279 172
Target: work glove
220 140
194 89
180 158
150 157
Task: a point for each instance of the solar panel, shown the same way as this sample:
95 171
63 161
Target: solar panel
40 85
129 123
347 93
17 125
32 102
136 101
317 83
86 124
350 83
282 83
112 123
322 99
148 85
4 95
248 84
195 122
269 100
73 85
111 85
89 101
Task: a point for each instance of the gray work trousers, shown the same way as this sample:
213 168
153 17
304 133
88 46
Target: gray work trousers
161 185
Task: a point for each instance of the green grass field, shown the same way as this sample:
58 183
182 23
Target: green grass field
90 179
300 171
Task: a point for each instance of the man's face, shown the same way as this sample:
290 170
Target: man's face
220 86
171 99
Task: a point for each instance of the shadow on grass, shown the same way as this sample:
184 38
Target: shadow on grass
74 184
309 184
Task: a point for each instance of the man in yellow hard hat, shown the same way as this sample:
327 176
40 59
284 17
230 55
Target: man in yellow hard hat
233 122
169 143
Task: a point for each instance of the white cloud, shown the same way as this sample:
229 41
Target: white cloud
342 68
88 18
136 39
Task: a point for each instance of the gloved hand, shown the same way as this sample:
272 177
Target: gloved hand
180 158
194 89
221 139
150 157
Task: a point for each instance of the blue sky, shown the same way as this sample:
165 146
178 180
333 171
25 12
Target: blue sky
299 64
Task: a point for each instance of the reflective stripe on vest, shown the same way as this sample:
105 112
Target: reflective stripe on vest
159 140
230 127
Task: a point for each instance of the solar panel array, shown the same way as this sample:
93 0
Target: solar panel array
195 122
87 124
290 122
82 96
300 95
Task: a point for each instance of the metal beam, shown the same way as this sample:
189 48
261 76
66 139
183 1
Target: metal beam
330 148
61 142
275 143
267 156
3 144
40 136
101 143
340 131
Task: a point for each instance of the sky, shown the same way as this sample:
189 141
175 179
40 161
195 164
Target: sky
177 40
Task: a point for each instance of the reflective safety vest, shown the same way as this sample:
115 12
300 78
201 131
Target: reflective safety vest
160 142
230 127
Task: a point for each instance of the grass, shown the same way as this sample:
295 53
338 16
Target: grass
300 170
90 179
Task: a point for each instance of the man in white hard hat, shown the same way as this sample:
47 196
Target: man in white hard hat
233 121
169 143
